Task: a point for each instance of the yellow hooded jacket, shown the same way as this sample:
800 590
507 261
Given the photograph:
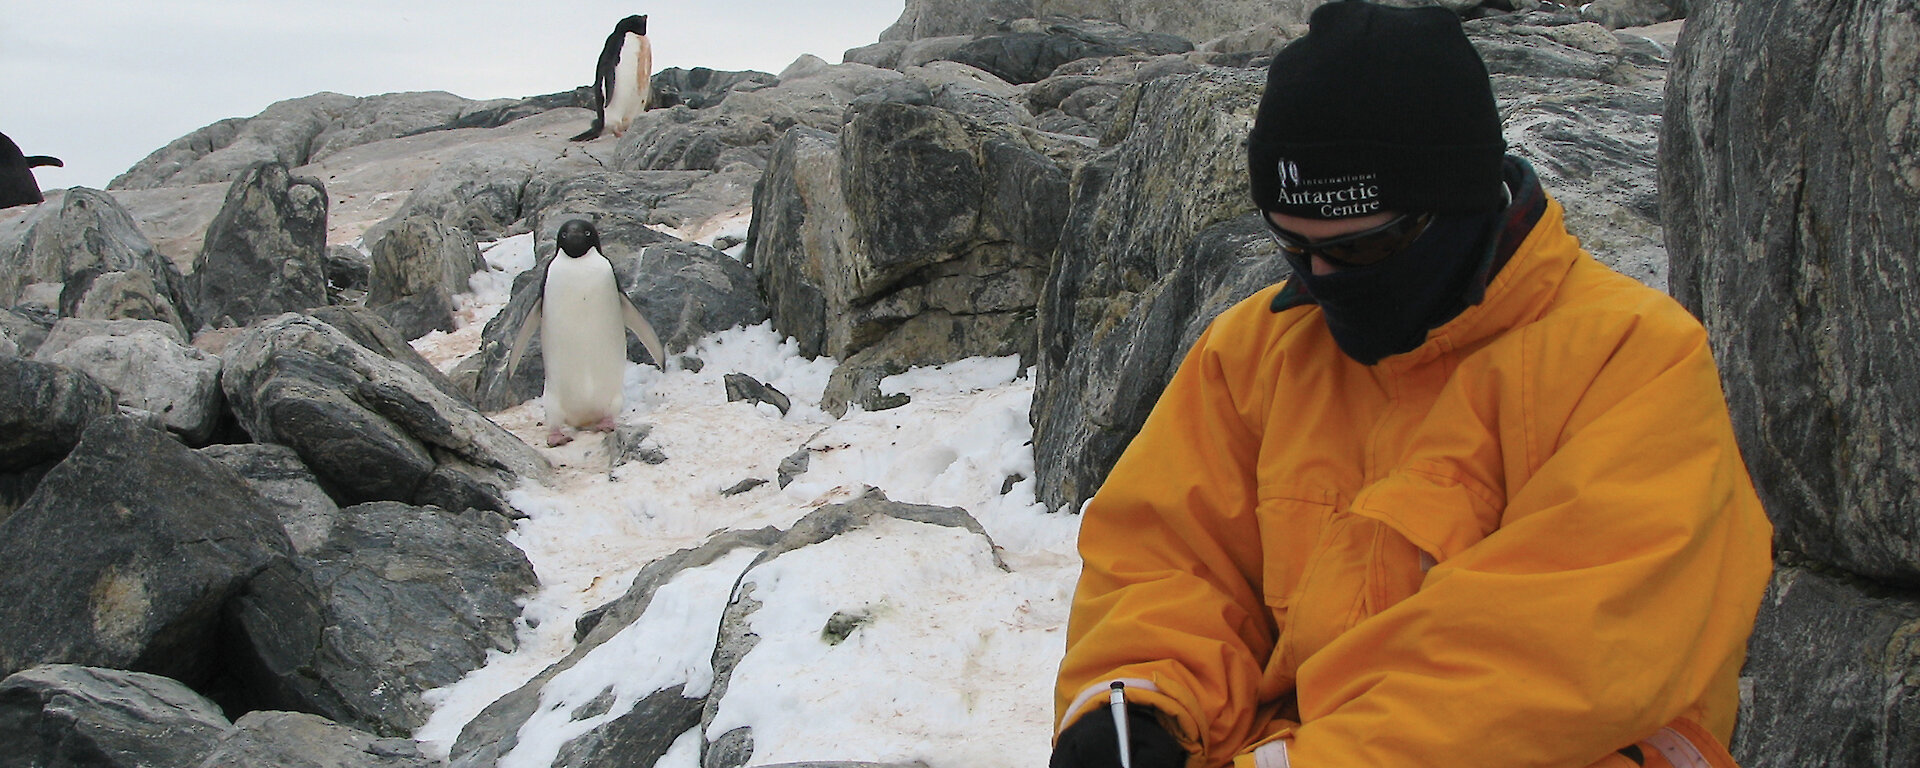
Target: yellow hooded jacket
1531 541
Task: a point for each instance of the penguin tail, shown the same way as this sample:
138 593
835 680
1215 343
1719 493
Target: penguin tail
39 160
592 132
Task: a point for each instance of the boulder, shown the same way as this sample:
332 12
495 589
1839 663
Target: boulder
634 737
966 90
349 273
300 740
848 619
148 370
24 329
1789 177
68 716
370 428
287 487
397 600
811 92
390 116
478 188
126 555
44 408
1619 14
686 291
1038 46
1193 21
368 329
699 87
684 139
266 252
88 235
117 295
1830 670
1160 237
419 265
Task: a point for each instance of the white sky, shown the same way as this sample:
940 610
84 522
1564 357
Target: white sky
100 84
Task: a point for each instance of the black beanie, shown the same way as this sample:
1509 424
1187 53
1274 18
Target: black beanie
1377 109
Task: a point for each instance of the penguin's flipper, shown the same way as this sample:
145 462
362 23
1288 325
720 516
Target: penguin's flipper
527 327
640 328
36 161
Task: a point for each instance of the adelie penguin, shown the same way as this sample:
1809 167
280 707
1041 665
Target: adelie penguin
622 79
583 318
17 185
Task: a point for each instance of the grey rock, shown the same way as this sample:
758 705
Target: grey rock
1618 14
118 295
480 188
218 153
1831 674
964 89
86 235
44 408
627 442
794 466
368 329
1193 21
1790 190
67 716
286 486
266 252
495 731
743 387
737 638
743 486
68 331
349 271
500 112
639 737
126 555
300 740
885 55
25 330
811 93
151 371
370 428
387 116
1160 238
419 264
398 600
1042 45
682 138
700 87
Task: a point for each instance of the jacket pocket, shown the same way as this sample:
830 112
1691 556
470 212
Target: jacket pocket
1438 512
1290 534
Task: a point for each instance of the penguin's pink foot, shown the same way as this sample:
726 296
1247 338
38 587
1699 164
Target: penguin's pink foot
557 438
604 425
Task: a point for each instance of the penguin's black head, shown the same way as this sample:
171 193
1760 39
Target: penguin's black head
578 236
634 25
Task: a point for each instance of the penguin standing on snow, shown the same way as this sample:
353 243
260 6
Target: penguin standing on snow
17 185
622 78
583 318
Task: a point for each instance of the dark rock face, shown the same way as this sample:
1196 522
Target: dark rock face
1030 56
396 600
126 555
1790 174
368 329
1831 667
699 87
266 252
418 266
44 408
287 487
61 715
88 237
370 428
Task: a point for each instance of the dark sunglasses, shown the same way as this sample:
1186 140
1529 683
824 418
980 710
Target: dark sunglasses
1357 249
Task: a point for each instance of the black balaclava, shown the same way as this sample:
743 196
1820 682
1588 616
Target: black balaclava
1376 110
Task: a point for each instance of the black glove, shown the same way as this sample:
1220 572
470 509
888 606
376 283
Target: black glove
1092 742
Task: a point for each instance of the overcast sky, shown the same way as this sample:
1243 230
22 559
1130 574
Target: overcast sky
101 84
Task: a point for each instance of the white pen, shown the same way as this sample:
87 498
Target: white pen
1118 700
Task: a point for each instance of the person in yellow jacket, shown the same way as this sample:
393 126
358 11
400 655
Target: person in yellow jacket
1454 494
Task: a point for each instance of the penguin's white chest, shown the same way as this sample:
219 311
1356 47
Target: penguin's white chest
630 83
583 339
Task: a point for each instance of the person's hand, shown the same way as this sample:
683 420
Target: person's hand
1093 742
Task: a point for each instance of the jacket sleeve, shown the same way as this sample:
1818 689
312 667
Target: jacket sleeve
1601 559
1167 597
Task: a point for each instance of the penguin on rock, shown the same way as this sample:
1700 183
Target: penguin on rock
17 185
622 78
582 317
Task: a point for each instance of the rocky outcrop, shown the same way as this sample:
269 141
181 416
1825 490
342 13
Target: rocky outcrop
67 715
266 253
148 367
300 740
700 87
44 408
914 237
1617 14
370 428
1193 21
419 264
1789 179
75 247
286 487
396 600
1036 47
126 555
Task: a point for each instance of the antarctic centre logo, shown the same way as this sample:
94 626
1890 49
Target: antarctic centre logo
1340 197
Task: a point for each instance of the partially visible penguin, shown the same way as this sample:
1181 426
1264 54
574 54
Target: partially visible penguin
17 185
622 79
582 317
